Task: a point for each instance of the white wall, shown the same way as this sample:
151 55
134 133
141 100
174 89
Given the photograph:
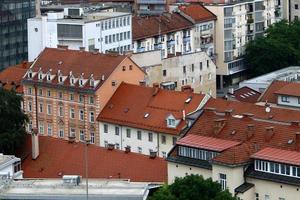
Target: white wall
292 101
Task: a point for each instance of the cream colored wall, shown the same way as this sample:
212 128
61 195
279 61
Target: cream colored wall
180 170
275 190
234 175
248 195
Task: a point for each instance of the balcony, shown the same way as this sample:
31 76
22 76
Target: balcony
236 66
140 49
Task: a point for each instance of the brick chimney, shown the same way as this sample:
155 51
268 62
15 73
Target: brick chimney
269 133
250 131
35 151
155 89
218 125
228 112
187 88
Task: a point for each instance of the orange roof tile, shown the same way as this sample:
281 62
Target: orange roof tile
150 26
238 108
291 89
278 155
11 77
269 94
58 157
197 12
130 103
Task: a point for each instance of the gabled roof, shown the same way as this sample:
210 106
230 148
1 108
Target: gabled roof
59 157
278 155
238 108
147 108
246 94
269 94
292 89
197 12
209 143
11 77
75 62
150 26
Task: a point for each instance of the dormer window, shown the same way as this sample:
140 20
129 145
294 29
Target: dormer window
60 79
72 80
40 76
92 83
80 82
171 122
48 77
30 74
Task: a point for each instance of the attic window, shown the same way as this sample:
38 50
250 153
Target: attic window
146 115
92 83
124 68
130 67
40 76
80 82
188 100
60 79
72 81
48 77
171 122
30 74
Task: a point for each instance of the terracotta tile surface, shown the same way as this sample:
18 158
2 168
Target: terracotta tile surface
130 103
198 13
58 157
269 94
246 94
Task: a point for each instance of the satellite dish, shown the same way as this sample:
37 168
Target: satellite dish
268 109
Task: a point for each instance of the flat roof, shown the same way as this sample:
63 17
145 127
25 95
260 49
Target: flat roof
56 189
282 74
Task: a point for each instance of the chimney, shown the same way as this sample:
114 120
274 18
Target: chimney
183 115
269 133
35 144
37 8
250 131
231 90
295 123
142 83
155 89
127 149
153 154
228 112
24 64
60 46
218 125
96 50
187 88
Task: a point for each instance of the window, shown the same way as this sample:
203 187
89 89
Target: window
164 72
60 111
298 100
139 135
61 133
49 129
91 100
296 6
40 92
285 99
29 106
60 95
267 197
150 137
81 98
117 130
72 113
200 79
163 139
128 133
184 69
105 128
81 135
41 127
192 67
209 76
48 93
171 122
49 109
256 196
60 79
222 181
207 63
174 140
117 146
81 115
113 83
40 107
71 97
164 154
92 138
130 67
140 149
92 117
72 132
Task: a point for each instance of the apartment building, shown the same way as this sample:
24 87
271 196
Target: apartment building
251 157
282 94
194 69
170 33
238 23
146 120
204 27
294 10
150 7
10 167
13 30
100 31
65 90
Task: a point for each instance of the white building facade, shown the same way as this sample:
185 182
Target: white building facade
103 31
10 167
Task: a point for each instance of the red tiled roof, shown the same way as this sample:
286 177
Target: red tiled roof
58 156
208 143
78 62
292 89
12 76
197 12
93 1
250 132
269 94
130 103
205 1
150 26
278 155
246 94
238 108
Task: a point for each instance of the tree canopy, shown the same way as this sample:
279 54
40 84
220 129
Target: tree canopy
278 49
192 187
12 120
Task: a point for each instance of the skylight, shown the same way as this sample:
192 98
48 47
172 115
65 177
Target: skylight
146 115
188 100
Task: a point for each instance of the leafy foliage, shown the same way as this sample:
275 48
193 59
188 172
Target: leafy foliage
12 120
278 49
192 187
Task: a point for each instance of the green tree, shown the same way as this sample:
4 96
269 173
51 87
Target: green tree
278 49
12 120
192 187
